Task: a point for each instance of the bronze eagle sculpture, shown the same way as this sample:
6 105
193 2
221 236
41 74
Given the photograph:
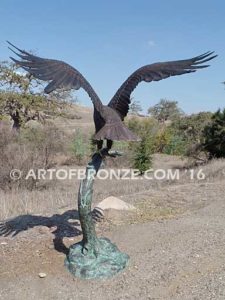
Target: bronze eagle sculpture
109 118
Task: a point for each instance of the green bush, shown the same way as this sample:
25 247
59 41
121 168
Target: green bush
187 134
142 159
141 152
80 146
214 134
176 146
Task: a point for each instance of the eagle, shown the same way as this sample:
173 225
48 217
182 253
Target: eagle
109 118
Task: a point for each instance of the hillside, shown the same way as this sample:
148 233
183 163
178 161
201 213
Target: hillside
83 119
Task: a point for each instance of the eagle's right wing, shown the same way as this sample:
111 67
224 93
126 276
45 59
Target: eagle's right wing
155 72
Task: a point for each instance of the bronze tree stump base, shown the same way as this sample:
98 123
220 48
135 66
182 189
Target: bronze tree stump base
108 262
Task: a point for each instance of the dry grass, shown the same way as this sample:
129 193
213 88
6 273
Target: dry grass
84 122
147 212
61 194
213 171
32 149
18 202
154 198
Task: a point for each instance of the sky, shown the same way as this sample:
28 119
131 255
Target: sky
108 40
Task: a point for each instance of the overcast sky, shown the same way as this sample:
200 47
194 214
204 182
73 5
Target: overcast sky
108 40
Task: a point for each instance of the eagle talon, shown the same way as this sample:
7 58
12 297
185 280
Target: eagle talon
111 153
115 153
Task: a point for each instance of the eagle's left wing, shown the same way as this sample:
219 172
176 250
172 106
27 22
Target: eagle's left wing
58 74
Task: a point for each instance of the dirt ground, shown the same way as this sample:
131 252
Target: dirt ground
176 249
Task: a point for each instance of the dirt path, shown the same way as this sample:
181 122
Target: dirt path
178 258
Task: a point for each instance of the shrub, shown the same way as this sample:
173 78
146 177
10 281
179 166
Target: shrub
141 152
142 159
81 146
214 134
32 149
176 145
187 134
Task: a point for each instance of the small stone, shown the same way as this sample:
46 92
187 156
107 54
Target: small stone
4 243
42 275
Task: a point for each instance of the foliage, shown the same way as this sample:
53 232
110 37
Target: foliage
175 144
80 147
191 127
143 126
214 134
21 108
182 136
21 97
187 133
31 150
135 107
141 152
47 140
165 110
142 159
162 138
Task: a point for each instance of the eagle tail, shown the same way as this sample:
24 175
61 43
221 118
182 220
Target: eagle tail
116 132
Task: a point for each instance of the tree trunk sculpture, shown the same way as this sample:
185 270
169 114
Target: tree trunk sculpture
93 257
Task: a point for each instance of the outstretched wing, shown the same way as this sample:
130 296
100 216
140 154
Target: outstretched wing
155 72
60 74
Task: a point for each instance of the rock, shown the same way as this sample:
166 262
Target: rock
114 203
42 275
4 243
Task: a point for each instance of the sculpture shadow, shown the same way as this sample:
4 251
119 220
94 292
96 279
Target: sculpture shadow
66 226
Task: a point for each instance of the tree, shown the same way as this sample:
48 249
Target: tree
135 107
215 135
21 97
165 110
21 108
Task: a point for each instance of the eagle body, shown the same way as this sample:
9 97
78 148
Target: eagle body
110 127
114 128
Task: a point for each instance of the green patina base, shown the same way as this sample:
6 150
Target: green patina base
93 257
106 263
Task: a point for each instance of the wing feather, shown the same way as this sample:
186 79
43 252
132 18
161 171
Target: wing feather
155 72
58 73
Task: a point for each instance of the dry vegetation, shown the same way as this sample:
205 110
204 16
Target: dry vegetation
174 238
51 148
153 198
